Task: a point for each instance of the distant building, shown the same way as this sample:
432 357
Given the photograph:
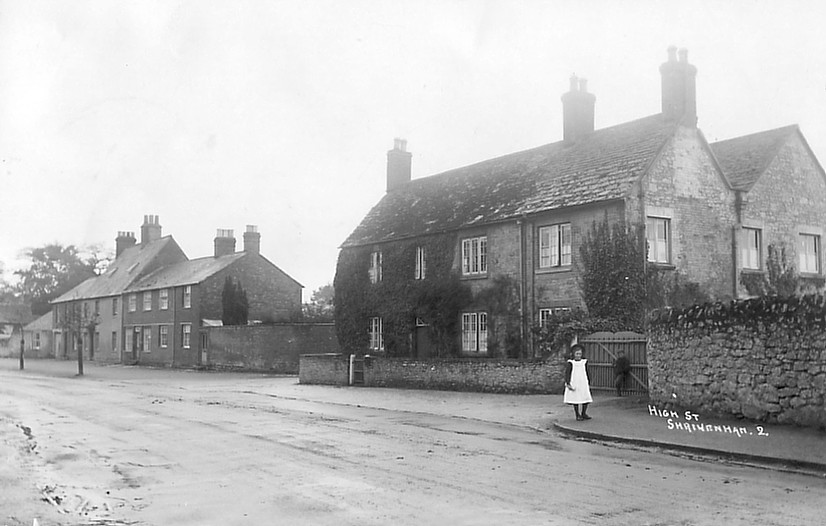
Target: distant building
13 317
38 337
709 211
149 305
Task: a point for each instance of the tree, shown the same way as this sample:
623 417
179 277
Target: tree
9 293
55 270
79 321
234 302
321 306
780 279
613 274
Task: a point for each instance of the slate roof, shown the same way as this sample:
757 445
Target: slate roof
744 159
120 273
43 323
185 273
598 168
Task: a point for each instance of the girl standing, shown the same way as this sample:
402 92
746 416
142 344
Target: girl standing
577 390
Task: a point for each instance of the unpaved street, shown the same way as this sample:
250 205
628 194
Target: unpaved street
125 445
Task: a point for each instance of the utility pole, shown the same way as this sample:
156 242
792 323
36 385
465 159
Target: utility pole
21 346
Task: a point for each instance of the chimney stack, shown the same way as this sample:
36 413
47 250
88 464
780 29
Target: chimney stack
399 161
150 230
224 242
252 240
679 98
577 111
123 241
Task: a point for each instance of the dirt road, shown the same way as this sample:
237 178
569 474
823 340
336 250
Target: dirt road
135 446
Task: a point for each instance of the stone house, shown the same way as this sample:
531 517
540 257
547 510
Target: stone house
149 304
166 309
709 212
13 318
37 336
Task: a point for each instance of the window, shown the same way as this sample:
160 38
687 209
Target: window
97 307
97 340
187 298
474 256
375 267
147 300
658 235
37 340
114 340
163 336
163 299
545 314
421 264
114 306
810 253
133 302
750 251
555 246
186 335
475 332
147 339
376 336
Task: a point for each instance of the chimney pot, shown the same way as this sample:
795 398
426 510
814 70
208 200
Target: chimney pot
577 111
583 85
151 229
252 240
679 99
574 82
683 55
672 53
224 242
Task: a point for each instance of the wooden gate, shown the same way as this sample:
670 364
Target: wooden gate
602 348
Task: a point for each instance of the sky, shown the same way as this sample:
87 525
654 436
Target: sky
221 114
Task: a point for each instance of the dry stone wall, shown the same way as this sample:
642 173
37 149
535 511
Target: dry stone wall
762 359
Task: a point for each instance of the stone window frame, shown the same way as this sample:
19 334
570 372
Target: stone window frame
474 256
474 326
816 234
556 258
746 232
655 215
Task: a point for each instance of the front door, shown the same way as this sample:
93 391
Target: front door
423 345
137 343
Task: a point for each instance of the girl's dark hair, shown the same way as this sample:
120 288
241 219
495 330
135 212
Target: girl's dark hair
576 346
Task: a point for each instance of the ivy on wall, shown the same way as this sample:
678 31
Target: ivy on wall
780 278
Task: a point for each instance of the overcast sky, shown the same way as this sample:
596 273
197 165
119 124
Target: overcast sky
219 114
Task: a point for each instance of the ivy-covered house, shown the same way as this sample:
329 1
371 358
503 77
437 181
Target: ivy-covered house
465 262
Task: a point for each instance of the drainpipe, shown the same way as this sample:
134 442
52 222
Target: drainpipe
520 226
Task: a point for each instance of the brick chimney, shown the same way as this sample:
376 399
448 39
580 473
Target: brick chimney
123 241
399 161
224 242
577 111
150 230
252 240
679 98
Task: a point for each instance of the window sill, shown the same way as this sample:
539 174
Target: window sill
474 276
663 266
554 270
811 275
753 271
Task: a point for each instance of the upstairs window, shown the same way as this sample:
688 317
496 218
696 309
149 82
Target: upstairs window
658 235
809 253
187 297
475 256
376 336
147 300
421 264
375 267
163 299
475 332
133 302
114 306
750 248
555 246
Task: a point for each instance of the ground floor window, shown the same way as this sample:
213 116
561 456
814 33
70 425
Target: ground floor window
546 314
37 340
186 335
475 332
114 340
376 334
163 336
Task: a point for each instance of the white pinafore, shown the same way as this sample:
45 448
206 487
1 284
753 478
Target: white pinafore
579 381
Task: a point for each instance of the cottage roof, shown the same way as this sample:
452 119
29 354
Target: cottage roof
43 323
15 313
598 168
744 159
185 273
129 266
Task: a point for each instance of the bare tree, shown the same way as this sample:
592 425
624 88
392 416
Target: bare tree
78 320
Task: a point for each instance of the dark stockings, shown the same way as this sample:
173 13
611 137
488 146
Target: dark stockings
584 414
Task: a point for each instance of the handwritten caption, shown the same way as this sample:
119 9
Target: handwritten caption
690 423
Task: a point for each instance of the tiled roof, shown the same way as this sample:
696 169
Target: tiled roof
185 273
744 159
42 323
120 273
598 168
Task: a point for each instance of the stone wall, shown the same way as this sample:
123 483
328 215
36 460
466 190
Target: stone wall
489 376
763 359
324 369
272 348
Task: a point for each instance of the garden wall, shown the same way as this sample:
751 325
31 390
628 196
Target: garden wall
763 359
272 348
324 369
